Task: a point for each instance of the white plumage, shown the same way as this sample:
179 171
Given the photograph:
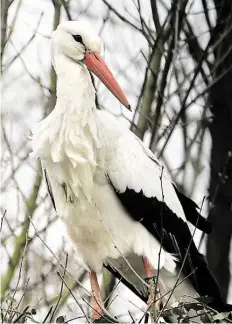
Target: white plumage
81 157
85 151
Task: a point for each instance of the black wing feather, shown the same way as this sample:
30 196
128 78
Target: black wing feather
192 215
49 187
176 237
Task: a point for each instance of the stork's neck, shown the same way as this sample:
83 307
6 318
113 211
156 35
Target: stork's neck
75 91
69 139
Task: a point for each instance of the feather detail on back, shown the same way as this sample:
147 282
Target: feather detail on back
133 167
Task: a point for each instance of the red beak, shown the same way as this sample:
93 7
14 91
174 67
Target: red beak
97 65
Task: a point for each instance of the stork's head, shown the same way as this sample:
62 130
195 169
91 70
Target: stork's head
78 41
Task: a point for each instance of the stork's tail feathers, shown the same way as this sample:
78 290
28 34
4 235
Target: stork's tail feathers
186 292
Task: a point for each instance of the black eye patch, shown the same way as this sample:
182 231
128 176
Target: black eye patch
78 38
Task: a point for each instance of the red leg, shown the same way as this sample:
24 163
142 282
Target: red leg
96 302
147 267
153 290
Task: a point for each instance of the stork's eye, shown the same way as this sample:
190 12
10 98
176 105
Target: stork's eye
78 38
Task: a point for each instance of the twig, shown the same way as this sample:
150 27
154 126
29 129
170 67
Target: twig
26 45
120 16
106 314
21 315
47 315
66 8
2 218
71 293
61 289
81 285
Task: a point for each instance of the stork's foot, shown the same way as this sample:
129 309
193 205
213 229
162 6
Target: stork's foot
106 318
97 312
96 300
154 297
102 319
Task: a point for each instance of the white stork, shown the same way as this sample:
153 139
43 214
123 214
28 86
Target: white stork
119 205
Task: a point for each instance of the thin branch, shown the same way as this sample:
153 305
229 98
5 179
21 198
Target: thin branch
25 45
155 16
61 289
71 293
21 239
121 17
67 10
